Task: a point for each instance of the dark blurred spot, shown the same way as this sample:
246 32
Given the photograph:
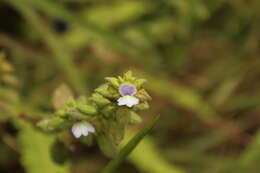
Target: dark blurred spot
11 129
59 152
10 20
60 26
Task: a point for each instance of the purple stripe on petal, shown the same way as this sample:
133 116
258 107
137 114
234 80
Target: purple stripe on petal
127 89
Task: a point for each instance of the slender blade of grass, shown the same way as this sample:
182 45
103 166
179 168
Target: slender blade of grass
130 146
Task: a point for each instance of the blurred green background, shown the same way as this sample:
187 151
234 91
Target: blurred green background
201 59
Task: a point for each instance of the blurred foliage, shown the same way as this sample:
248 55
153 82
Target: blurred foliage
201 59
36 152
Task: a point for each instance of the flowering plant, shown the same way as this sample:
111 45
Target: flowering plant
105 114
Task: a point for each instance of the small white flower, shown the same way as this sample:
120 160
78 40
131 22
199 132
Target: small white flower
128 101
82 128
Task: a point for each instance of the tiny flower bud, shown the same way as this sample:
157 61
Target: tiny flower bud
143 95
141 106
75 114
99 99
87 109
53 124
128 76
139 82
104 90
113 81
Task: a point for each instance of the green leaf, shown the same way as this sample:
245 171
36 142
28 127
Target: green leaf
135 118
130 146
35 152
107 145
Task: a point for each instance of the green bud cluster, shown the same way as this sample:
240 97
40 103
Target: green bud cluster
102 111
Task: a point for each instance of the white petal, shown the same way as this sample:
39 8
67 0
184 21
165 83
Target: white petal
128 101
133 101
121 101
76 130
82 128
84 131
90 128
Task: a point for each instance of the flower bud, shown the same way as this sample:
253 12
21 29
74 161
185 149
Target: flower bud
139 82
113 81
105 91
99 99
143 95
128 76
75 114
141 106
121 80
87 109
53 124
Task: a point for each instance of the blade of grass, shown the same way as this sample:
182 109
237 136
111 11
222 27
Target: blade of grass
147 157
130 146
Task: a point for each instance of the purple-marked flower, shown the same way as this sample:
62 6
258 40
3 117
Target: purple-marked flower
82 128
127 92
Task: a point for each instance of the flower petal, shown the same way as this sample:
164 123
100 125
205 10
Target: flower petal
128 101
76 130
82 128
84 131
121 101
90 128
127 89
132 101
